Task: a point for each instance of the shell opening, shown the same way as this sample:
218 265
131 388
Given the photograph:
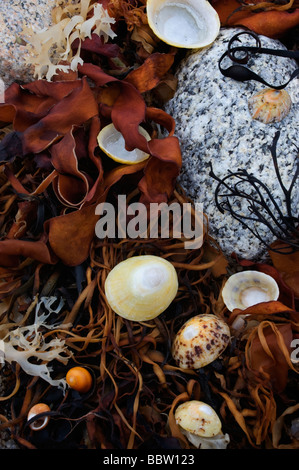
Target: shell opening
39 423
180 23
190 24
115 141
254 295
248 288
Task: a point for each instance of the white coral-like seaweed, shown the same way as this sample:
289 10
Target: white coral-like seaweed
27 346
74 20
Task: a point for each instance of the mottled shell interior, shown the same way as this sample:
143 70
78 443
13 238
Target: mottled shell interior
200 341
247 288
270 105
199 418
142 287
189 24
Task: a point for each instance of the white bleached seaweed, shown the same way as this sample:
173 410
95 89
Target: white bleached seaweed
51 48
27 345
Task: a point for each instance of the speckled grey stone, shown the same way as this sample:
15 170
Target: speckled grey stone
13 53
214 127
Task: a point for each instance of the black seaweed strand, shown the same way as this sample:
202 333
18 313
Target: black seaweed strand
262 206
241 73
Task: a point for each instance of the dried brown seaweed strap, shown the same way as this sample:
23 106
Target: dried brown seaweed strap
8 201
132 427
129 11
135 411
71 316
174 428
37 280
28 401
28 311
193 389
258 331
235 412
17 185
156 368
5 422
248 413
266 412
198 267
16 387
278 428
266 6
71 338
23 442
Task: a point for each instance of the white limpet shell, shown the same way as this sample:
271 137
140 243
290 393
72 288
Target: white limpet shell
112 143
200 423
248 288
200 341
270 105
142 287
198 418
191 24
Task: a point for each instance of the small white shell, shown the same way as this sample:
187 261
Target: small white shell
247 288
198 418
141 287
190 24
200 341
39 423
270 105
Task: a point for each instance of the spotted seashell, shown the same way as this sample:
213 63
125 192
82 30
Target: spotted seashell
270 105
200 341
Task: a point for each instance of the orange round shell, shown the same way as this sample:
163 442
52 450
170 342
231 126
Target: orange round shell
270 105
41 422
78 378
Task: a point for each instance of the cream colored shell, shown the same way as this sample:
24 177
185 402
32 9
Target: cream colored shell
270 105
199 418
200 341
189 24
112 143
247 288
141 287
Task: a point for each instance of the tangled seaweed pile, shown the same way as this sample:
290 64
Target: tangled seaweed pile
54 313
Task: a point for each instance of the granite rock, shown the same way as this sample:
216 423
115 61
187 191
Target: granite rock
13 52
214 127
